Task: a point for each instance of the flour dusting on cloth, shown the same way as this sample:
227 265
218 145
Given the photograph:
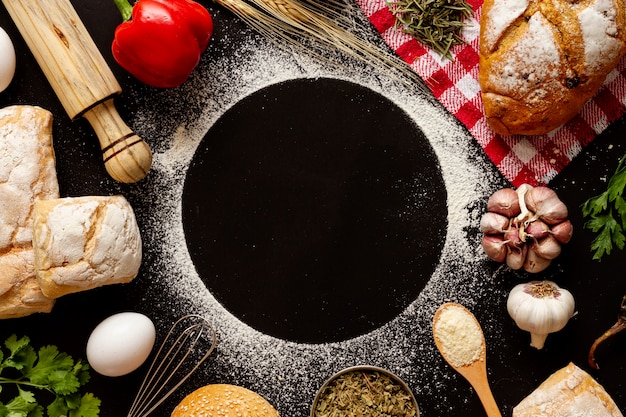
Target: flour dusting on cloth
521 159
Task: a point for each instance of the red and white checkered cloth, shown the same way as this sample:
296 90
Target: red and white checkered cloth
522 159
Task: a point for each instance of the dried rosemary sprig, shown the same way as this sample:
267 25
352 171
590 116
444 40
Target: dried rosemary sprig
435 23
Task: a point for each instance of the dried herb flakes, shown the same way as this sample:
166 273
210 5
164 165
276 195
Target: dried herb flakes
364 393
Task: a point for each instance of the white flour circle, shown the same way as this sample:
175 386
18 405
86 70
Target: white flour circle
288 374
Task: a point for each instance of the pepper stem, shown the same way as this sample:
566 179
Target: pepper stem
125 9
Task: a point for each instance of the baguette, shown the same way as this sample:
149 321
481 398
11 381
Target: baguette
27 174
542 60
569 392
83 243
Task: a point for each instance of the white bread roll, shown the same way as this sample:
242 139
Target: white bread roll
569 392
85 242
224 400
27 174
542 60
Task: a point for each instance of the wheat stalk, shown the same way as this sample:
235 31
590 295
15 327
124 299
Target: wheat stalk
294 23
285 8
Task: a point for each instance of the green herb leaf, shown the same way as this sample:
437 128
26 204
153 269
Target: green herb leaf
22 405
620 208
603 243
595 205
606 214
49 370
21 354
89 406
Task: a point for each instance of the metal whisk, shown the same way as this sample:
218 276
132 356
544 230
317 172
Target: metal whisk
174 362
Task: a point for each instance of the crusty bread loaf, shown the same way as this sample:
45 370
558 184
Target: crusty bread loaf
541 60
224 400
85 242
27 174
569 392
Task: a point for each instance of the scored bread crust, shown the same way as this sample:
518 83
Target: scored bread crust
27 174
224 400
569 392
542 60
83 243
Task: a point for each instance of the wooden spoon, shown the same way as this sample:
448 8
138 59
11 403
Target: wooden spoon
473 370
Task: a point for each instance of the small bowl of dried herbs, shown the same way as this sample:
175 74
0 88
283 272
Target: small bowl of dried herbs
364 390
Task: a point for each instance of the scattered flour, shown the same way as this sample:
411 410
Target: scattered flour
289 374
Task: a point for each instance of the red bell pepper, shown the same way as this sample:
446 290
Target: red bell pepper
160 41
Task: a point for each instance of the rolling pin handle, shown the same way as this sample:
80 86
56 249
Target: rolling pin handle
127 158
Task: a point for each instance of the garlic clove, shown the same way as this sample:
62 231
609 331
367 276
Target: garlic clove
537 196
535 263
495 247
546 205
514 236
547 248
493 223
553 212
504 201
537 229
563 231
515 257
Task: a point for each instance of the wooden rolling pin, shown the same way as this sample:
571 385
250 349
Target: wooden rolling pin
82 80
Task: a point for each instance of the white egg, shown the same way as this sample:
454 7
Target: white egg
120 344
7 60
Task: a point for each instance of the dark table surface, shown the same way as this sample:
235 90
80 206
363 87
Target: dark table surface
514 368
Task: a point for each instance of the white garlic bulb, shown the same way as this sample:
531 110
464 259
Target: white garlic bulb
541 308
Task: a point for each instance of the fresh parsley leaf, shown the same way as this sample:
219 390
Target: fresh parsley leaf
606 214
74 406
21 354
23 405
89 406
603 243
49 370
595 205
617 183
56 370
